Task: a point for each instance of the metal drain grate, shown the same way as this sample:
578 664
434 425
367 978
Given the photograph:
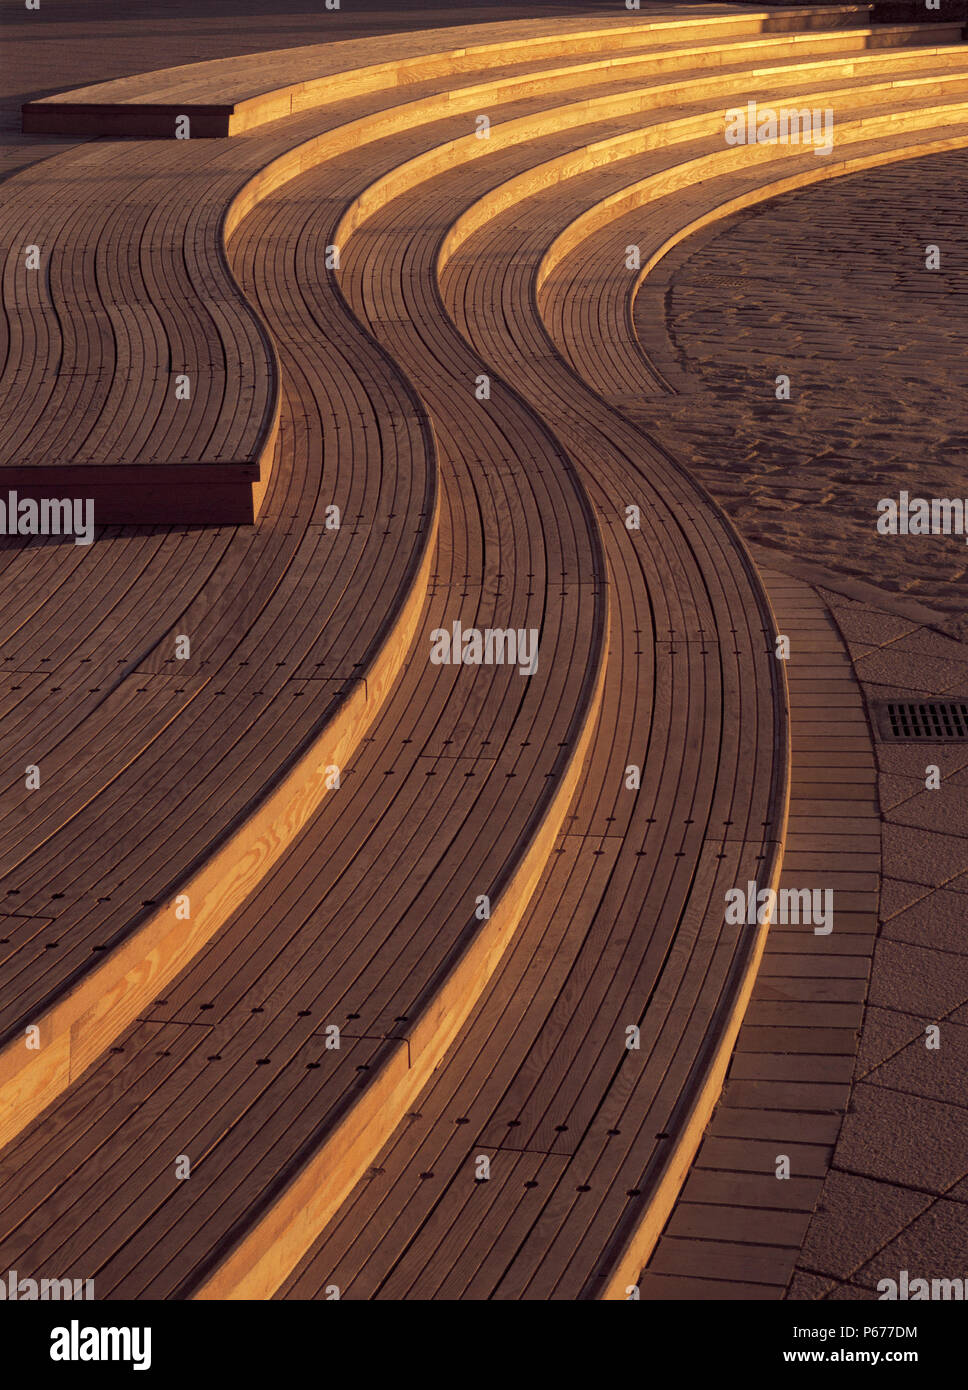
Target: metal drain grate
930 721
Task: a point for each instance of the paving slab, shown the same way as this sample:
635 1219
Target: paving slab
904 1139
855 1216
933 1246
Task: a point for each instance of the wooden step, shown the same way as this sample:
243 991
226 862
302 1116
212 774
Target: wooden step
296 637
207 459
53 854
436 1248
424 967
228 96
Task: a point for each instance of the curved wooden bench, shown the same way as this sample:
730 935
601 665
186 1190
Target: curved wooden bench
102 331
872 140
782 1072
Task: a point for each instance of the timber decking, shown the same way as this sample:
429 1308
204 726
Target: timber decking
119 308
296 632
548 1094
234 168
523 525
368 919
450 1241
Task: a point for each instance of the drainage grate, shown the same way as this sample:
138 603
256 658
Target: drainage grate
931 721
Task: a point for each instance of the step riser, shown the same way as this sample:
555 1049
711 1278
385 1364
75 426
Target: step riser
673 131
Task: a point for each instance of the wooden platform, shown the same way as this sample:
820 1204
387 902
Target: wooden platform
358 906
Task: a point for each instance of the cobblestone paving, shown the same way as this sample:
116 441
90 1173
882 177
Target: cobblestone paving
829 287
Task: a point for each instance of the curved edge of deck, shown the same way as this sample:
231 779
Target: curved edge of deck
630 1249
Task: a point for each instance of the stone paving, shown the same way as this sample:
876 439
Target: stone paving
897 1194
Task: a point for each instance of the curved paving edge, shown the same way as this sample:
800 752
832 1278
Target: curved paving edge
699 1105
735 1231
631 1245
627 1256
630 1251
877 1124
900 1154
639 195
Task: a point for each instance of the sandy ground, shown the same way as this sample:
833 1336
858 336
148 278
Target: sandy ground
829 287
